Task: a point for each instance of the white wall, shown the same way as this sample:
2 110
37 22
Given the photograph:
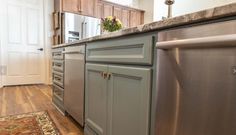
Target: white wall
148 6
48 36
186 6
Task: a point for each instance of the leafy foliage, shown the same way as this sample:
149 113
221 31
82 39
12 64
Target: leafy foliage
111 23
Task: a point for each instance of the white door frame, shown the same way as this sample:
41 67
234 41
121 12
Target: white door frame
48 35
1 56
46 42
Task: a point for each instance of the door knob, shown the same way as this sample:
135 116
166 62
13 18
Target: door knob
40 49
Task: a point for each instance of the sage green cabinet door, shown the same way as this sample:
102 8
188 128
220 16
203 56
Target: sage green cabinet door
128 100
96 98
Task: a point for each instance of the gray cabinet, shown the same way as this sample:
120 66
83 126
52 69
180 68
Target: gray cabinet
117 100
95 99
128 100
58 78
136 50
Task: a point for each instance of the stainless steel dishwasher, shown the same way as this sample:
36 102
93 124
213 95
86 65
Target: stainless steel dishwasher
196 77
74 82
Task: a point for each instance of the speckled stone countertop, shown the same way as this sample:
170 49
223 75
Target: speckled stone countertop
201 16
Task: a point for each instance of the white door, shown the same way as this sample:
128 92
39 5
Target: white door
22 36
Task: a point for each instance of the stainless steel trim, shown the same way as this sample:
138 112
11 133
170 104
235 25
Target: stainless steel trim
195 82
57 73
57 79
82 30
214 41
57 55
74 82
85 27
72 52
58 87
58 92
198 31
58 65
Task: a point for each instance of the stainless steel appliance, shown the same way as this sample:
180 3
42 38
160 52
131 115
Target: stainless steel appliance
74 82
77 27
196 80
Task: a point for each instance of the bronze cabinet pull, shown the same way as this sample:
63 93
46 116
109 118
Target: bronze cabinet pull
104 75
109 76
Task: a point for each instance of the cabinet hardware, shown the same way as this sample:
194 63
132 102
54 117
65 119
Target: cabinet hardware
109 76
105 75
40 49
102 74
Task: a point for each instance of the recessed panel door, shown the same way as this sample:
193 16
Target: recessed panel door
22 42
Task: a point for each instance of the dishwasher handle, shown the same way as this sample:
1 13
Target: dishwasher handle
213 41
73 52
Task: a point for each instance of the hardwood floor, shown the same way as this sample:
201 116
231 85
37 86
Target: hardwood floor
25 99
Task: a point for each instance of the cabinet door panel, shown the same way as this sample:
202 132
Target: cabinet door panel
99 10
129 101
125 17
73 6
88 7
133 18
96 98
118 12
108 10
136 18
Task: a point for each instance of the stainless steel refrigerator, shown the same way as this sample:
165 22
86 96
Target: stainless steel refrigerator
77 27
196 80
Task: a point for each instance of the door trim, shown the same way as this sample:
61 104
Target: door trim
1 51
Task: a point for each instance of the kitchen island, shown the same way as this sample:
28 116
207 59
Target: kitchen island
120 73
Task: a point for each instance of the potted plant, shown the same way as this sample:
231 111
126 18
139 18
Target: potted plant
111 24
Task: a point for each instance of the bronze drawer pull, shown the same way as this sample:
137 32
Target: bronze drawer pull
109 76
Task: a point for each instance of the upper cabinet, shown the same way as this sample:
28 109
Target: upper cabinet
130 17
136 18
84 7
98 8
88 7
125 17
108 9
73 6
118 12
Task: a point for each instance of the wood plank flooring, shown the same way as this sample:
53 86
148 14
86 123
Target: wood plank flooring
25 99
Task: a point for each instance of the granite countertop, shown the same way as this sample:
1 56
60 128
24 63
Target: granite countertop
205 15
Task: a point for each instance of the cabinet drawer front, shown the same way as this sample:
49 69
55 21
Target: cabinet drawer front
57 54
58 79
58 65
132 50
58 92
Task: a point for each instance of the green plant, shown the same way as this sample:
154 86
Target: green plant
111 23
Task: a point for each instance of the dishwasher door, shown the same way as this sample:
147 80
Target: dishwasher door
74 82
196 80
